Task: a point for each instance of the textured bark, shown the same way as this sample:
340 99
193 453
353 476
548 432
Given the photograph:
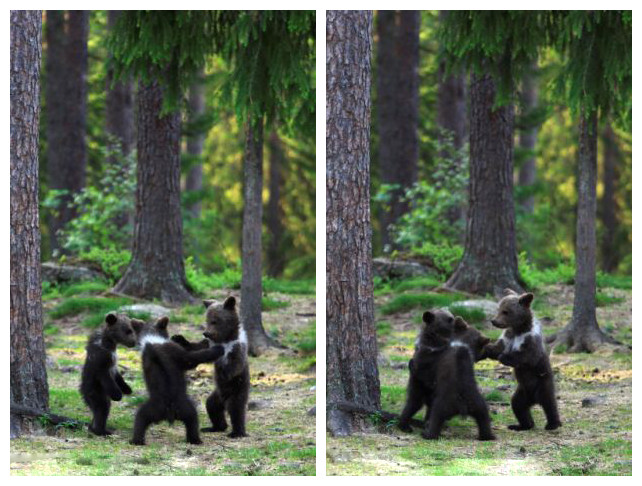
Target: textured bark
194 179
352 373
397 107
28 375
528 139
119 103
582 333
274 219
66 110
156 270
251 284
489 263
609 206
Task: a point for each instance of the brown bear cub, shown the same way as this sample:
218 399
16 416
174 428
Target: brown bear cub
231 370
521 346
101 382
442 375
164 366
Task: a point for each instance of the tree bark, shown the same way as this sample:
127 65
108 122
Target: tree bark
156 270
66 110
609 206
528 139
251 249
119 103
194 179
489 263
274 220
398 108
28 374
352 373
582 333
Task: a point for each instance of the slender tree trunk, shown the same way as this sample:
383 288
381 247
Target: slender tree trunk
274 220
66 110
352 373
156 270
528 139
609 209
582 333
489 263
194 179
28 374
398 107
251 284
119 103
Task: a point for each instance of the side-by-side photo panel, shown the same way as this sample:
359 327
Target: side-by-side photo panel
479 243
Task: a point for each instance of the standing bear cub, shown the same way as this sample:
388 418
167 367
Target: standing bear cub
231 371
101 382
521 346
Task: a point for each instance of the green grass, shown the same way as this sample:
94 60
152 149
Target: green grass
384 328
470 314
417 283
406 302
623 282
77 305
303 339
269 304
604 299
84 288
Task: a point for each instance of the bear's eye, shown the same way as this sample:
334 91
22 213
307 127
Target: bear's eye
128 331
505 312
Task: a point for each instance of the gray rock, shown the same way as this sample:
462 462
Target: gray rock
154 310
60 273
389 269
312 412
259 404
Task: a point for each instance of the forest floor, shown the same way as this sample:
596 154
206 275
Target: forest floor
281 431
594 397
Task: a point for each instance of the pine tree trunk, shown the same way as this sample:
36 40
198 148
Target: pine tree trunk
528 140
398 108
609 206
582 333
352 373
156 270
194 179
251 284
28 374
66 110
119 103
489 263
274 219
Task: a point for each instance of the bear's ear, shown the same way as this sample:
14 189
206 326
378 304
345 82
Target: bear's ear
229 303
207 303
161 323
137 325
509 292
111 319
526 299
428 317
460 324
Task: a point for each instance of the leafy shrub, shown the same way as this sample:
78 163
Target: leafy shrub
111 261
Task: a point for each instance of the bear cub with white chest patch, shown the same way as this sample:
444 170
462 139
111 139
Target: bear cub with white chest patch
101 382
164 366
521 347
231 371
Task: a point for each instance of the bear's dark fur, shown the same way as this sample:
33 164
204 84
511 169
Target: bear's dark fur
232 374
101 382
164 366
442 375
521 346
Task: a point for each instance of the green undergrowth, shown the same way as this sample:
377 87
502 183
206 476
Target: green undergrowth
406 302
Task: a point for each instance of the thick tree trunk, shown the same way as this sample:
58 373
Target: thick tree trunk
251 284
28 374
352 373
609 209
66 110
156 270
194 179
274 220
119 103
582 333
489 263
398 108
528 139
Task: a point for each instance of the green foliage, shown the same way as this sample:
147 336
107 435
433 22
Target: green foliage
77 305
384 328
535 278
84 288
268 304
471 315
416 283
112 261
496 396
406 302
603 299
